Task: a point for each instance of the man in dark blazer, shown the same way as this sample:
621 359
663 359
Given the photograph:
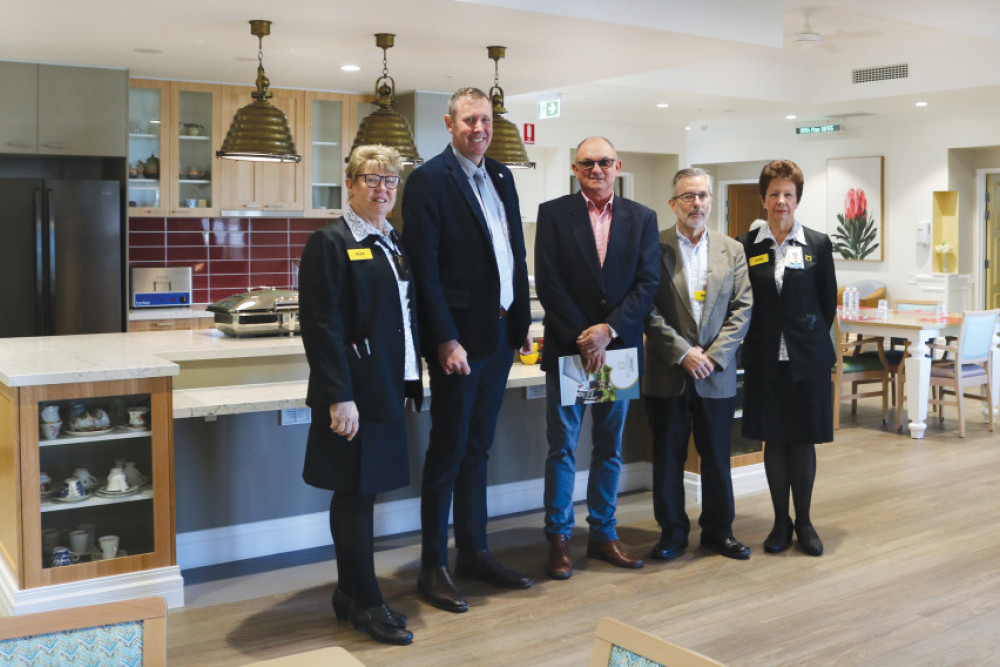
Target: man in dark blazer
595 274
700 314
462 232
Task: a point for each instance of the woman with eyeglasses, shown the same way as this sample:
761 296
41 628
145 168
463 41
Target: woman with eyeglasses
788 352
359 331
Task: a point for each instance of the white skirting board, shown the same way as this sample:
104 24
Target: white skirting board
307 531
165 582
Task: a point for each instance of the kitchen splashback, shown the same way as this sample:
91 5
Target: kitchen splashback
226 255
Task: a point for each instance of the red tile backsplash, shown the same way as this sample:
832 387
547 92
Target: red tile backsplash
227 255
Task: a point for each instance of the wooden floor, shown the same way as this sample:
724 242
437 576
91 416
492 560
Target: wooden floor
911 576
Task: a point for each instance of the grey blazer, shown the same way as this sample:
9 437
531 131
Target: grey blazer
671 330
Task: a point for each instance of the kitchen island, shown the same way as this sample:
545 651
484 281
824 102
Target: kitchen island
215 437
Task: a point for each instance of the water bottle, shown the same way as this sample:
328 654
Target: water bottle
855 304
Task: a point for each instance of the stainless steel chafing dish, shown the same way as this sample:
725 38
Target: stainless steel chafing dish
260 311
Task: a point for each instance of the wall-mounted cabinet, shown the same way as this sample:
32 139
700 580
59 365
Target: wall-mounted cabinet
148 148
62 110
194 126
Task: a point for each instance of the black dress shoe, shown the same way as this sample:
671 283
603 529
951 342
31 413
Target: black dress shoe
484 566
780 537
342 609
808 539
379 624
665 549
438 588
730 547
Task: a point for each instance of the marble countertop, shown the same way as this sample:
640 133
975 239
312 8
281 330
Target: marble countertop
125 356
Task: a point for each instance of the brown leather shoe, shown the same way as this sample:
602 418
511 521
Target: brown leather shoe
613 552
560 564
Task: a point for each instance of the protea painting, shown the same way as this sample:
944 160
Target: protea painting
857 234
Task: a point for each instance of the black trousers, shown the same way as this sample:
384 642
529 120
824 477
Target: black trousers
672 421
352 526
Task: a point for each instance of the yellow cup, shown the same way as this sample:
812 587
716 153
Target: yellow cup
529 359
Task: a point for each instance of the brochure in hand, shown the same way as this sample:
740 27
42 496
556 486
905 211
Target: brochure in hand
618 380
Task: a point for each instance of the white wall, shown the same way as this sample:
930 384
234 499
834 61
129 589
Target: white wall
919 159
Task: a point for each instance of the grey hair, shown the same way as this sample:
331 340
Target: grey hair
692 172
604 139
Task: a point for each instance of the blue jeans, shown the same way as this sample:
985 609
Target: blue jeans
562 431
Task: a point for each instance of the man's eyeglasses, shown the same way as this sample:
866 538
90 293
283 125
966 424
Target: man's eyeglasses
587 165
372 180
689 197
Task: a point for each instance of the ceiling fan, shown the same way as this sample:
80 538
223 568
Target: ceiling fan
807 36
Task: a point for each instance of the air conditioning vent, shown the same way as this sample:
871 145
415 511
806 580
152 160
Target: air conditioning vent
869 74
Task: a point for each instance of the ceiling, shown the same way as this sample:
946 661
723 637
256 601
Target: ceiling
717 63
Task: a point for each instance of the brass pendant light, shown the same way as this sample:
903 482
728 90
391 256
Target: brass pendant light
506 145
260 130
384 125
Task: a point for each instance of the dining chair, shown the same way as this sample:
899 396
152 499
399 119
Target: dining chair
619 645
857 367
969 367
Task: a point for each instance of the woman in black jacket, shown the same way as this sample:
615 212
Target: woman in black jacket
359 331
788 352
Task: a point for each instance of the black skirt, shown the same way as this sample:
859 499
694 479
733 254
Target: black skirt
780 409
376 460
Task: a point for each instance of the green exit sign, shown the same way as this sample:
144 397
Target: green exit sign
820 129
548 109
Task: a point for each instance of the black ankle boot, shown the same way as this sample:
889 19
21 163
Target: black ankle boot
379 624
342 608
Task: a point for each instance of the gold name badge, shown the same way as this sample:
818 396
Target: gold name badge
759 259
359 253
699 295
809 258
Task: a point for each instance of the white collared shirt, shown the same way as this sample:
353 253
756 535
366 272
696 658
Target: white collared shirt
361 229
797 237
694 259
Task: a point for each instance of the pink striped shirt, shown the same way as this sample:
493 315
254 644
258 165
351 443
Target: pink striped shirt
600 222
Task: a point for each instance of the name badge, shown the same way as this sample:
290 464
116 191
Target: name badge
699 295
357 254
809 258
759 259
793 258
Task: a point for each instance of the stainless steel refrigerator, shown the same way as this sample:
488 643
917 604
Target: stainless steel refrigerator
60 257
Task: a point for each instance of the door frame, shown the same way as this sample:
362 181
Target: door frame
722 224
979 232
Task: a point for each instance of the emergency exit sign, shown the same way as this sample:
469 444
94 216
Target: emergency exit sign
548 109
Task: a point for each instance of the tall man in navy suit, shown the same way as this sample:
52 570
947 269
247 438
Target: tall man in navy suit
596 271
462 233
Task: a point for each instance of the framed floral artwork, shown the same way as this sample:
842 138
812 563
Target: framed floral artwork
854 207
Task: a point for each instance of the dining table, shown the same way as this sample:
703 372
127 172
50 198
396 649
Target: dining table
918 327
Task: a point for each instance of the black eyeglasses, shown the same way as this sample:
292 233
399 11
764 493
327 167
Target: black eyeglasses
689 197
372 180
605 163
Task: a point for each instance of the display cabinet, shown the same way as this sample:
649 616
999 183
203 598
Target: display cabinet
148 150
93 465
193 124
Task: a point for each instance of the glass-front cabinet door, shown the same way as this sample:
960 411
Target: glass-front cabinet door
195 131
326 154
97 476
147 149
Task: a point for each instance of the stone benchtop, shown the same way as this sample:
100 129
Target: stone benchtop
126 356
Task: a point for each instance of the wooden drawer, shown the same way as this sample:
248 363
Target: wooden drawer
172 324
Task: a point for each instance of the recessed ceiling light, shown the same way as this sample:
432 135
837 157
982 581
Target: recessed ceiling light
687 127
791 116
146 50
350 68
662 105
920 104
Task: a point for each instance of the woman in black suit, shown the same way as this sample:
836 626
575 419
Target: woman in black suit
788 352
359 332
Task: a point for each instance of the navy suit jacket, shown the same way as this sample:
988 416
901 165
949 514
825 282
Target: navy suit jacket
576 291
448 243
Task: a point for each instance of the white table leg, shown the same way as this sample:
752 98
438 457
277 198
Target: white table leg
918 383
994 389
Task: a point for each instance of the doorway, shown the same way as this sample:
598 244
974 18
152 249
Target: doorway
743 206
992 245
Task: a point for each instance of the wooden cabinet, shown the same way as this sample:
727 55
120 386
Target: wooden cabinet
34 522
149 151
193 130
61 110
172 324
261 186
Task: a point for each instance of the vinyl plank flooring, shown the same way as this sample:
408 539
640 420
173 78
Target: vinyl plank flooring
910 577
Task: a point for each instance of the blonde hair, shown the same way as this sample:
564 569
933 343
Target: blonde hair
382 157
